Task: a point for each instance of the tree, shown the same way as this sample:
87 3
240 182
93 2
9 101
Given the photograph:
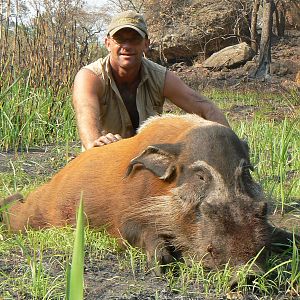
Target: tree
280 12
264 59
123 5
255 9
53 41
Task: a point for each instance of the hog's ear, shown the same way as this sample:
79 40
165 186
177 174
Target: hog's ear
246 148
245 145
159 159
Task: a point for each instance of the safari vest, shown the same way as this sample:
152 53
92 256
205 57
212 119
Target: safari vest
114 116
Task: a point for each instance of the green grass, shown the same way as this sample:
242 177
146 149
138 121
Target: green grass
39 260
34 116
35 265
75 279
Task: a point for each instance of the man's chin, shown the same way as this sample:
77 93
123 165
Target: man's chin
128 63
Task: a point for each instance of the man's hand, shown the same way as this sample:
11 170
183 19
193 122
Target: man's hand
105 140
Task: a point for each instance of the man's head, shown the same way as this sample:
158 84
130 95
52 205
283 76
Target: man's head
128 19
127 40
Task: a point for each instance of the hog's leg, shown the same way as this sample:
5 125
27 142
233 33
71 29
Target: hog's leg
158 249
18 213
6 204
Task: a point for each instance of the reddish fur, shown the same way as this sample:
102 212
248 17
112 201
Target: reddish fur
230 224
99 173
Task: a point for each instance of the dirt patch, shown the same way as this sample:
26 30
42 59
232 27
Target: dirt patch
38 161
284 67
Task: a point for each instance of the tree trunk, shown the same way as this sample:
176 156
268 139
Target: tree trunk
280 12
255 8
264 59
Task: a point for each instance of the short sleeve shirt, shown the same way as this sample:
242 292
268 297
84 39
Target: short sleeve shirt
114 116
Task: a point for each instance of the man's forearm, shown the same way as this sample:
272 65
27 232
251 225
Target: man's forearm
89 130
88 122
208 110
216 115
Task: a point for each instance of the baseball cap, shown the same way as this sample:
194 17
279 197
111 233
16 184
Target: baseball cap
128 19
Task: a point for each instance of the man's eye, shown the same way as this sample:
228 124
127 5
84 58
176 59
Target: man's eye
134 40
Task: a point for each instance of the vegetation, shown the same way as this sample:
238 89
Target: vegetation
39 58
51 40
36 265
75 279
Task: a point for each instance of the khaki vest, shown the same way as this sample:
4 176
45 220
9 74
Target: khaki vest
114 117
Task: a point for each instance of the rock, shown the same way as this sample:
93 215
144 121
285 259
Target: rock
279 69
178 67
249 66
297 79
292 14
229 57
198 27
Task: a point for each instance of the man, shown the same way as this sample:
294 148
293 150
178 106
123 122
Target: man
114 95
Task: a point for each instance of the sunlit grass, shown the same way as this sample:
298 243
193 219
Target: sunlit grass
75 280
35 265
34 116
275 153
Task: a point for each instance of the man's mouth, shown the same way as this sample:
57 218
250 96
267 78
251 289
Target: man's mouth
127 54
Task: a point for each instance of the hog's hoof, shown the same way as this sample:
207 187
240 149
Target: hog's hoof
160 262
7 201
11 199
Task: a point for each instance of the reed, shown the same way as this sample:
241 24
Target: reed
51 44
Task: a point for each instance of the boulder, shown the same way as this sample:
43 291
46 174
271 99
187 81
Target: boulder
195 28
297 79
279 68
229 57
293 14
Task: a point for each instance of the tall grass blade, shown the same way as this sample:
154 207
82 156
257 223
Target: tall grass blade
75 286
23 74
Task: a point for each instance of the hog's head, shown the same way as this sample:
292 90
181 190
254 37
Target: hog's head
216 213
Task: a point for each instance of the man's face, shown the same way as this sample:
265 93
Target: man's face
126 47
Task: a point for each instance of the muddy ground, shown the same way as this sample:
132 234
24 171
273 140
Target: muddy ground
103 278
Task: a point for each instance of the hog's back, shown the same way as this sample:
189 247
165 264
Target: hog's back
97 176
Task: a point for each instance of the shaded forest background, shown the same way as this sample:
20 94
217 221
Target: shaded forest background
48 41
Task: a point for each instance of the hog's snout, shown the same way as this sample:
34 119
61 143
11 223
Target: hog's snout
233 231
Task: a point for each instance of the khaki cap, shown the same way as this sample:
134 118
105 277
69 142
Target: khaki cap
128 19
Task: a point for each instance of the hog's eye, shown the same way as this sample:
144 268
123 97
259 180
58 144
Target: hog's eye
202 173
204 176
201 177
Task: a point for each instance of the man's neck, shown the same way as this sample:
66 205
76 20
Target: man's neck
125 76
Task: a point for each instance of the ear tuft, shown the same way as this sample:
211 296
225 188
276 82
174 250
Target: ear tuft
262 209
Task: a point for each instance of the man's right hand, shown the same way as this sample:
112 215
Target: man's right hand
105 140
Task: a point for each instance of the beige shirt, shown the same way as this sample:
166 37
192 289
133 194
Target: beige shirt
114 116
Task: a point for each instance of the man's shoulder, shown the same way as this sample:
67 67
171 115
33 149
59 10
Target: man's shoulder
152 66
98 66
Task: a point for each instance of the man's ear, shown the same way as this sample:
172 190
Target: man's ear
107 43
146 46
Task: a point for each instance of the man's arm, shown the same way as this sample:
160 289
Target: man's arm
87 91
190 101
